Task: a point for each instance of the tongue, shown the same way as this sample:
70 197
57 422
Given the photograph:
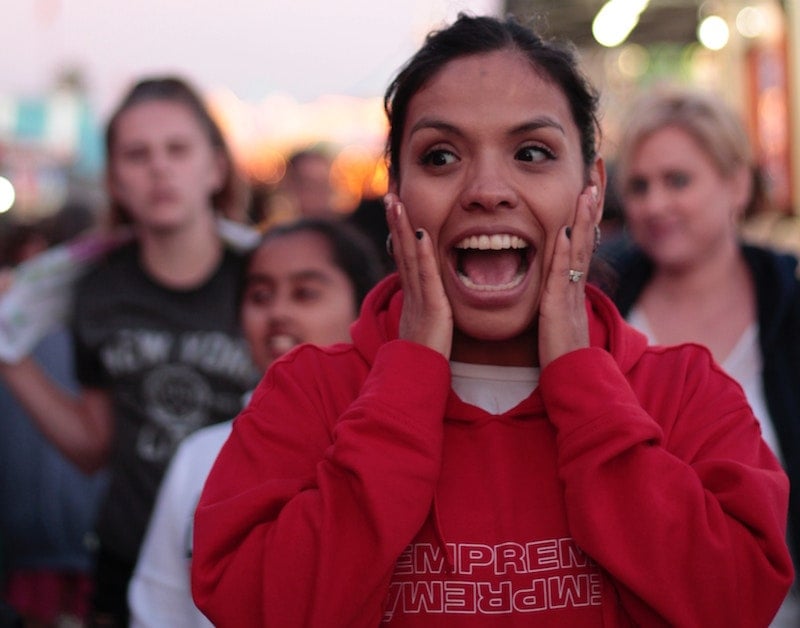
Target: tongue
490 268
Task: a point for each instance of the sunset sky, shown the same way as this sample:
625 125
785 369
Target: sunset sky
305 48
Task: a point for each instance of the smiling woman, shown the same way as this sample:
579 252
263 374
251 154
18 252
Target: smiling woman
496 447
687 177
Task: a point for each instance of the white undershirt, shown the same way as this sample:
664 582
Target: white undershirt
495 389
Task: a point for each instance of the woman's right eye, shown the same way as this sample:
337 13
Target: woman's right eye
258 296
637 186
438 157
679 179
134 155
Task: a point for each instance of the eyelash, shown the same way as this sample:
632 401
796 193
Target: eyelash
546 152
428 157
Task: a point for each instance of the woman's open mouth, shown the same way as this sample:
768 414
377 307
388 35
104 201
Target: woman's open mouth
495 262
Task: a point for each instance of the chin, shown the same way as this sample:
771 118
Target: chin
493 326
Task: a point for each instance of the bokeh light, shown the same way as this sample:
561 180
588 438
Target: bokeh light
7 195
713 32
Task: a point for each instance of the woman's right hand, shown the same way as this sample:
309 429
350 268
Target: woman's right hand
427 318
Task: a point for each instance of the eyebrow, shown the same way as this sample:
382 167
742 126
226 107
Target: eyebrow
303 275
540 122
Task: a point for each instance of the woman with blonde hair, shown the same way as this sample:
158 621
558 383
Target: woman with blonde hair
687 177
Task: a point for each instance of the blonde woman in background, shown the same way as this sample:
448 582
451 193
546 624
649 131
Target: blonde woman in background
686 178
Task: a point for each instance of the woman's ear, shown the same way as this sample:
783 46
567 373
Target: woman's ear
742 183
597 177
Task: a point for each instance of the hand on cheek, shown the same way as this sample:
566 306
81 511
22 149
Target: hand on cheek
426 318
563 323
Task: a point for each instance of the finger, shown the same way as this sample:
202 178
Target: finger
431 287
582 235
403 246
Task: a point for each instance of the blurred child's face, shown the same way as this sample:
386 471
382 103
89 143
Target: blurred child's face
293 294
162 166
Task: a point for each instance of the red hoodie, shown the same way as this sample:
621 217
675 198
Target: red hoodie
631 488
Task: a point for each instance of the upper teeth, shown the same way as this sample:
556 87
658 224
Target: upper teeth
495 242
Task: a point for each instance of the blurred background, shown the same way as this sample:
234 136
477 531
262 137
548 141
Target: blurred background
287 76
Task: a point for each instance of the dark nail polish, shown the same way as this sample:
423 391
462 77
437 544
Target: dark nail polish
419 234
569 232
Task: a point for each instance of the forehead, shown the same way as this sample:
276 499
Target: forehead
156 117
500 88
670 145
293 254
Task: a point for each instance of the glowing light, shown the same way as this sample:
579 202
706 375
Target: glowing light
633 61
615 21
7 195
713 32
751 22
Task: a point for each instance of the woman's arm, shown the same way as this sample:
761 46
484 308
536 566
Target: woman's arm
322 484
685 514
80 427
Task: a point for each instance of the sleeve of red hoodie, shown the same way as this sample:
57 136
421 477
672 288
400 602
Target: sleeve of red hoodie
304 513
684 506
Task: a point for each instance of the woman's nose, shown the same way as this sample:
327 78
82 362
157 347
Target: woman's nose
488 186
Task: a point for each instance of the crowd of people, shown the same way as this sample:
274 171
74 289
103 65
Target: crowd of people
293 426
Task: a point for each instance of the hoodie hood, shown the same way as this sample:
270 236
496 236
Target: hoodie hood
379 323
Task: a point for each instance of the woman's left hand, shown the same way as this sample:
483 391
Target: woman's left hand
426 318
563 323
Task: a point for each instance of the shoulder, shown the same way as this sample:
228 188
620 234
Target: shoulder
777 286
685 374
323 378
193 460
93 298
763 261
233 260
204 440
118 263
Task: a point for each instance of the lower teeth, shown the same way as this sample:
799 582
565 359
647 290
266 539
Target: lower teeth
491 287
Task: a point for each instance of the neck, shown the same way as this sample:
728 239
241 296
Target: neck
184 257
703 280
521 350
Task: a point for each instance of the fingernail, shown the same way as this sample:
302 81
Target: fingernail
569 232
594 193
393 207
419 233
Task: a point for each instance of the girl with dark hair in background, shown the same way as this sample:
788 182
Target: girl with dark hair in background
304 283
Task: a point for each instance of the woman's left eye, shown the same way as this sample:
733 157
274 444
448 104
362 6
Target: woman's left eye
439 157
534 154
306 294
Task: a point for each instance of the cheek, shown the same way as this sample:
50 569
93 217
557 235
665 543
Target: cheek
331 322
254 323
427 204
